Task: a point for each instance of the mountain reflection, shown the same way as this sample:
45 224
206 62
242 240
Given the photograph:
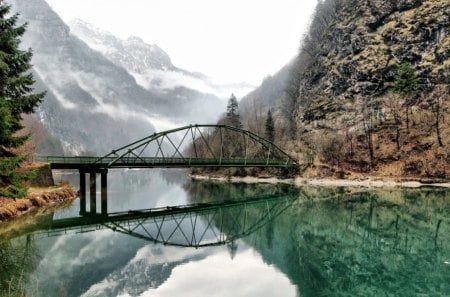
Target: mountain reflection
316 241
358 243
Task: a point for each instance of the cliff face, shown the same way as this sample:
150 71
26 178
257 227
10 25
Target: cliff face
369 90
362 48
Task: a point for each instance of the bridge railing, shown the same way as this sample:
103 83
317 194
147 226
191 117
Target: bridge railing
155 161
67 160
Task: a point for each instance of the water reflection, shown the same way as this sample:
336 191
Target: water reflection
194 225
379 243
115 258
17 260
281 242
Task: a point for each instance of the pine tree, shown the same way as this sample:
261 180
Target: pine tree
270 127
233 118
16 98
406 80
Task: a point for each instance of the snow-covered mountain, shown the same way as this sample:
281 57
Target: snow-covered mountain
149 64
133 54
94 104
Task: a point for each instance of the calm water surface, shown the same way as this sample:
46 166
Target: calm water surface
234 240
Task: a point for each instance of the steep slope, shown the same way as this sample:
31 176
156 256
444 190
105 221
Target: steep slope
270 95
93 104
369 89
362 48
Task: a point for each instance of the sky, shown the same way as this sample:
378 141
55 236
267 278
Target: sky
230 41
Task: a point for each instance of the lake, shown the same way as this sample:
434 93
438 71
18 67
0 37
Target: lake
167 235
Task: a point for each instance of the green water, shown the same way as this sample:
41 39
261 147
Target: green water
286 241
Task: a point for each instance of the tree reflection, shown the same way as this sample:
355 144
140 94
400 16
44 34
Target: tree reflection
18 258
364 244
349 242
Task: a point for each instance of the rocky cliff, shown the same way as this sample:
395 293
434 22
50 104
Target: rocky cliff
369 90
363 46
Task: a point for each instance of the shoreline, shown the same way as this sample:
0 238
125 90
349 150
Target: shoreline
38 198
371 182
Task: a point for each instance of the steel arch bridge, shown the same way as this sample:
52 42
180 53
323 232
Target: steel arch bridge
184 147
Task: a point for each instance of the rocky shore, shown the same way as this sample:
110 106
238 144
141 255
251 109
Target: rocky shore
370 182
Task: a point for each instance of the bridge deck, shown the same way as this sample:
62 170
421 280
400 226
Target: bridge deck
152 162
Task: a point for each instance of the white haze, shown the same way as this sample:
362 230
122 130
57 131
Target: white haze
149 77
231 41
166 80
98 89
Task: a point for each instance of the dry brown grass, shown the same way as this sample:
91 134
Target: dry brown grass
37 197
391 169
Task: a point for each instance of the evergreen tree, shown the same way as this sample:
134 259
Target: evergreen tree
233 118
270 127
16 98
406 80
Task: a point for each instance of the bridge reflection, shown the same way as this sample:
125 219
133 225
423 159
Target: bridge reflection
194 225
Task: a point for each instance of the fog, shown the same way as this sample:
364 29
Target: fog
94 103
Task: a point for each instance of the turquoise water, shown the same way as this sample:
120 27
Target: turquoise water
241 240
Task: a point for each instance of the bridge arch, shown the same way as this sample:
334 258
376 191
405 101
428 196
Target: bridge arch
199 146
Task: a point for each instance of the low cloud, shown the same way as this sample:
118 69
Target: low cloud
168 80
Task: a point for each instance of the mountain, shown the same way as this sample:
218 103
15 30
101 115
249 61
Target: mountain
149 64
368 91
92 104
269 95
133 54
359 52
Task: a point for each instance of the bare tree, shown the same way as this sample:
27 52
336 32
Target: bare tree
368 121
436 102
393 105
254 119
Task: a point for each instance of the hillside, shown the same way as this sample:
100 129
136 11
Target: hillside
270 95
369 90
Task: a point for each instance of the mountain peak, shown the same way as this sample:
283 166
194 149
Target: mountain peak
150 65
133 54
135 39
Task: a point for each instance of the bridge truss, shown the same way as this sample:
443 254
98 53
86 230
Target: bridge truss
198 146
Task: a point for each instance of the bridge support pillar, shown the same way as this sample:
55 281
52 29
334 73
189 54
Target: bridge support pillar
92 190
82 192
104 191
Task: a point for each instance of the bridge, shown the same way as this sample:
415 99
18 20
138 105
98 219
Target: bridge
184 147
